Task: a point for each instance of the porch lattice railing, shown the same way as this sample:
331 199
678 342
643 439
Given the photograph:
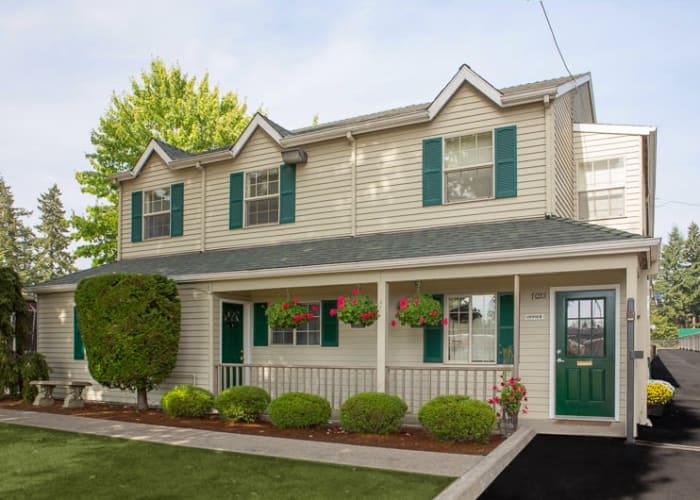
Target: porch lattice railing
415 385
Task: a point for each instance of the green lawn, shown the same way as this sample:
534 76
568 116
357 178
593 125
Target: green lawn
39 463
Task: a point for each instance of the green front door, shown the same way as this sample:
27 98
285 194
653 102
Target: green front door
585 353
231 341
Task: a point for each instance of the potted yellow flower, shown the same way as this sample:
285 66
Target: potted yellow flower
659 393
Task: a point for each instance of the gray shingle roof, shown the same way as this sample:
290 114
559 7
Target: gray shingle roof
540 85
172 151
432 242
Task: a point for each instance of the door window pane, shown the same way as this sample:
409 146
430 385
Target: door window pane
585 327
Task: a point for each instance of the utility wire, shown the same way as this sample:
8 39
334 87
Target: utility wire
675 202
556 43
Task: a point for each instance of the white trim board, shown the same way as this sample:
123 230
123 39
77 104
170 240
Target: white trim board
600 128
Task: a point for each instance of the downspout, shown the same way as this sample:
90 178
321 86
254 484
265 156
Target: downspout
516 325
120 206
549 157
202 208
353 180
630 413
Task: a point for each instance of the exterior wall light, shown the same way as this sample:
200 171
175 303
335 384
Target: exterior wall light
294 156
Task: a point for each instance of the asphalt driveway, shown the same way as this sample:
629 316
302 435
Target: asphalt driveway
664 463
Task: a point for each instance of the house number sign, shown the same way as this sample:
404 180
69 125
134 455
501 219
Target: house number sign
538 295
534 317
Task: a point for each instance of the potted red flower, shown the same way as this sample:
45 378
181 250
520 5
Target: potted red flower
418 311
287 313
356 310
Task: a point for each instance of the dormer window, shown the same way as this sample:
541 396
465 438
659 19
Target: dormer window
262 197
156 213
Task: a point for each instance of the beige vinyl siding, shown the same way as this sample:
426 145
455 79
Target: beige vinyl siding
323 195
583 110
389 168
156 174
55 341
591 146
564 167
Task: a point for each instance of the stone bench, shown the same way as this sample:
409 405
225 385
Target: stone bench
73 398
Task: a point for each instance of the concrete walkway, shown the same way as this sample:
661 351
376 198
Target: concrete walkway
474 472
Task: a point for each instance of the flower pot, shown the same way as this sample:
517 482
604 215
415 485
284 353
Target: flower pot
655 410
508 424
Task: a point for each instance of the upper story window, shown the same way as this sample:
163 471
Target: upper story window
262 197
472 328
307 334
601 189
156 213
469 167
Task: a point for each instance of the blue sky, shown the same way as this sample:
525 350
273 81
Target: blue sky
61 60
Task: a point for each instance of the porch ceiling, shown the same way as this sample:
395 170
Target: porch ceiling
525 234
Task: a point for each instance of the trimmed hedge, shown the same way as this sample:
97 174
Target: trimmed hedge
299 410
457 418
243 403
187 401
374 412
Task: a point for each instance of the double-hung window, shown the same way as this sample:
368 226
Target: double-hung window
601 189
468 167
156 213
472 328
307 334
262 197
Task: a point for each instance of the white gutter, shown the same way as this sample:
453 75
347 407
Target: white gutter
562 251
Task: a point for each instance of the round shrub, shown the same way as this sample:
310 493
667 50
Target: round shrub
457 418
299 410
187 401
31 366
243 403
373 412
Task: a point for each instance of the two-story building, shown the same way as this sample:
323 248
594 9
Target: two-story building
529 221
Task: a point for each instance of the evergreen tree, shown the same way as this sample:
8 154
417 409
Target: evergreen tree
53 258
16 239
691 277
669 282
163 103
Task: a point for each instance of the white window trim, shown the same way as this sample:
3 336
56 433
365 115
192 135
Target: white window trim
620 185
144 228
446 336
294 330
492 164
246 198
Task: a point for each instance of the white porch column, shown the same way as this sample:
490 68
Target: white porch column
632 388
516 325
382 332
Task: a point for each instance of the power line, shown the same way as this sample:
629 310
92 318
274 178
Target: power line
556 43
675 202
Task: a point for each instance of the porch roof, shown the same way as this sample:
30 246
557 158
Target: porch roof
524 234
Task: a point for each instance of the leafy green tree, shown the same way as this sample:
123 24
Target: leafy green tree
163 103
130 325
16 239
53 258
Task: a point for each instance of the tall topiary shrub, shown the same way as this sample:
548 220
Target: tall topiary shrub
130 325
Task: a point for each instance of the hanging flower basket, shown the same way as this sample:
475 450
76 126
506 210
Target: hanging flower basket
418 311
287 314
356 310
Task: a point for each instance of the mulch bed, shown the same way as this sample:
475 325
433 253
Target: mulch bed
410 438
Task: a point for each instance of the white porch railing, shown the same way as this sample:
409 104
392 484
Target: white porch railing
415 385
690 342
333 383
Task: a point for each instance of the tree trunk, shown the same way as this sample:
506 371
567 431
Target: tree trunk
141 399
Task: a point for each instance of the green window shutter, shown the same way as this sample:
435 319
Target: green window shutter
177 202
433 339
287 193
329 324
136 216
505 326
235 201
78 349
259 324
432 171
506 163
